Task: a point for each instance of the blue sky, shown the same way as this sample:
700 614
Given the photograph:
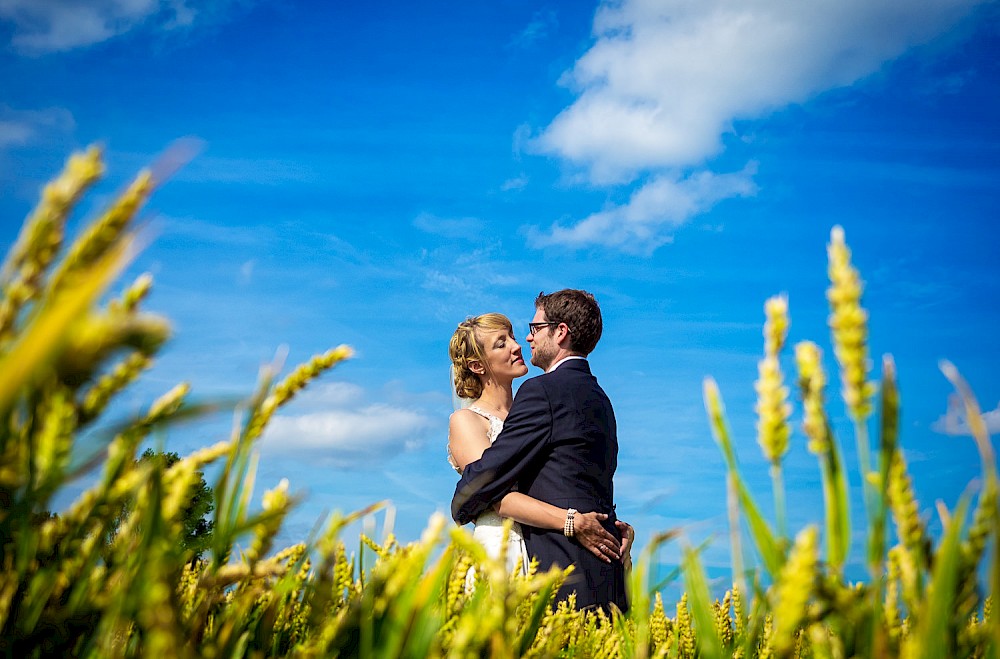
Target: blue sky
371 173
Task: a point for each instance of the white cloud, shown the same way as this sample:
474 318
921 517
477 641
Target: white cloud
347 437
443 282
195 230
453 227
664 82
24 127
253 171
653 211
246 271
54 25
45 26
516 183
336 423
14 133
538 28
955 422
333 394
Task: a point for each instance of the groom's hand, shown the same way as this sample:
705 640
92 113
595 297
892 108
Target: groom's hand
628 535
587 529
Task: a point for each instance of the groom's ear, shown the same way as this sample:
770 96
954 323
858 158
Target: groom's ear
562 334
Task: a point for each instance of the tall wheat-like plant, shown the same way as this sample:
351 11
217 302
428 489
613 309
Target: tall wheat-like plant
922 600
87 582
773 409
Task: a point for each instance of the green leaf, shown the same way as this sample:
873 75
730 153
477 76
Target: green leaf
837 507
49 330
767 547
934 637
700 603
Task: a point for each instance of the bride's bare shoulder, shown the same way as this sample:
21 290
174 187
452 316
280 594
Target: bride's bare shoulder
465 420
464 416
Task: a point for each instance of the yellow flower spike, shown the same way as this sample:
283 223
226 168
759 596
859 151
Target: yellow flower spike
456 584
812 382
723 621
904 506
277 497
98 335
42 234
658 623
275 503
123 374
773 409
793 590
294 383
108 229
893 615
81 170
177 485
208 454
54 442
135 293
849 326
167 404
685 631
343 574
739 615
776 326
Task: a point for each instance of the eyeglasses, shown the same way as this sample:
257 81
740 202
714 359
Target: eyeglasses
534 327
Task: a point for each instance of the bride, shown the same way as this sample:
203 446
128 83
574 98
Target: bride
485 359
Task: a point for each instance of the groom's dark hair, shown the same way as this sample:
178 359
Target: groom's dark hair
579 310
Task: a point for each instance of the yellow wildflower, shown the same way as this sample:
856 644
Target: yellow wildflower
772 407
793 589
850 330
812 382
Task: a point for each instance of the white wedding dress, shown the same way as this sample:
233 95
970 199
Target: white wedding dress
489 525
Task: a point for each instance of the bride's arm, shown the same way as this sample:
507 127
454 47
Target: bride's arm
467 439
587 528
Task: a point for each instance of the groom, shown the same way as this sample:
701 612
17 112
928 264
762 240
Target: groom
559 444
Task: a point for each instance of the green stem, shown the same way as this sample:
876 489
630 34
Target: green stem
865 461
778 486
733 506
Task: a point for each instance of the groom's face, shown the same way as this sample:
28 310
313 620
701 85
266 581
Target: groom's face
543 346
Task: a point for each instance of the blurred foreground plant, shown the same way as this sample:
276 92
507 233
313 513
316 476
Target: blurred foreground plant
91 582
107 576
921 600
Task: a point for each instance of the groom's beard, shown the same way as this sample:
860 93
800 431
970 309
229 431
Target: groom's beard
541 358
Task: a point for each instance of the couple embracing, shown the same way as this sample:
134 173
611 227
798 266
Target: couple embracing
546 458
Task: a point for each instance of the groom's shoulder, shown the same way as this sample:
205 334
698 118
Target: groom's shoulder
537 385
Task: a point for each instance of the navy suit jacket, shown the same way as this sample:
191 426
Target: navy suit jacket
559 444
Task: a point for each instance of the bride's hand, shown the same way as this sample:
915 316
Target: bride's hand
588 531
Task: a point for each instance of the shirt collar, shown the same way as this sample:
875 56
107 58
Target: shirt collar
563 361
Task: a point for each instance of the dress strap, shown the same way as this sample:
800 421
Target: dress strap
496 423
481 412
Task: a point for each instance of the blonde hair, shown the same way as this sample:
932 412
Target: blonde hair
467 346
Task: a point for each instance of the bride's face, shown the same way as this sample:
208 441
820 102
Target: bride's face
503 354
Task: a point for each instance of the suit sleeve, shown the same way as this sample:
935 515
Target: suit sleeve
524 437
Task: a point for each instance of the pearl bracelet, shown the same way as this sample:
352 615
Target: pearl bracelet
568 526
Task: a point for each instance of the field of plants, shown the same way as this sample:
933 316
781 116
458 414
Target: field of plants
107 577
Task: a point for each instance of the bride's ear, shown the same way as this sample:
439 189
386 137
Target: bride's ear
476 367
